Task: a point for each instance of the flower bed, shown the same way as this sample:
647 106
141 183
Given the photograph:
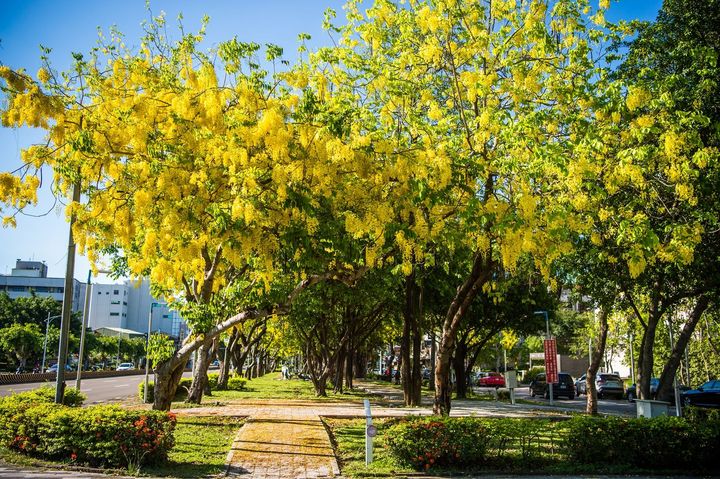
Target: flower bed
99 436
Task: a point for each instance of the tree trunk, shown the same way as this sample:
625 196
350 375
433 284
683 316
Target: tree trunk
459 367
481 271
167 378
340 370
417 364
667 378
349 368
227 359
646 357
598 353
200 379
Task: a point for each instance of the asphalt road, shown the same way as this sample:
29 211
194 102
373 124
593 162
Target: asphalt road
98 390
608 406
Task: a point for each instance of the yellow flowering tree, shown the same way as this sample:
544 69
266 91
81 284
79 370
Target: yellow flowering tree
647 180
192 166
472 111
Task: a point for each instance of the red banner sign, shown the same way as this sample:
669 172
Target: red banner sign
551 372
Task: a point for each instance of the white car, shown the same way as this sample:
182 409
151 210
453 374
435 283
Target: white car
125 366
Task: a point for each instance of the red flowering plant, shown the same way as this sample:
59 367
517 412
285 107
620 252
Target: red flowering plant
428 442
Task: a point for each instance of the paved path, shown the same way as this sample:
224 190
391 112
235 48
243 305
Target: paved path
17 472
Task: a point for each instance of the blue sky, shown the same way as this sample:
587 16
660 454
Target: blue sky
71 26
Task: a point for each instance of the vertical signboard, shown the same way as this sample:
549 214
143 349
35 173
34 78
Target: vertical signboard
551 371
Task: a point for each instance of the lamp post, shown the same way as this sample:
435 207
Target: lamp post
147 347
547 336
47 327
86 317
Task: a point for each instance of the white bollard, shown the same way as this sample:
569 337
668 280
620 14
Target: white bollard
370 432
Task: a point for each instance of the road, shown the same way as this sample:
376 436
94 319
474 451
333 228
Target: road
607 406
98 390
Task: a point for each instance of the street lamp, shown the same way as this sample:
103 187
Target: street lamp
47 326
86 317
147 347
547 336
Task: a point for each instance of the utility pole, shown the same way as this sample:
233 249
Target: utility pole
86 312
67 305
147 360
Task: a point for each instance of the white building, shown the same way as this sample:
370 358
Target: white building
128 306
28 277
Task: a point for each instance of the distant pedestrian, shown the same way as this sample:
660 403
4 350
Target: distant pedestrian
284 370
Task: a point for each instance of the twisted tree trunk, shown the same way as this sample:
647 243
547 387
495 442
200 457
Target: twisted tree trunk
591 406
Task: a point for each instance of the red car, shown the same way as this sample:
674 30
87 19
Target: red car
491 380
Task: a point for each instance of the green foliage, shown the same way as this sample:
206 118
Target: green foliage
23 340
161 348
44 394
236 383
663 442
106 436
427 442
213 380
531 373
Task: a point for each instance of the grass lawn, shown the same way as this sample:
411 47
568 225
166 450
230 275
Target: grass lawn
348 437
201 447
271 386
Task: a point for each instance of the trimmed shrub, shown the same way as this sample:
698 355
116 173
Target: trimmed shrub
427 442
663 442
236 383
213 380
106 436
72 396
151 391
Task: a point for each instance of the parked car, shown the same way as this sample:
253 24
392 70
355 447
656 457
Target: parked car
54 367
707 395
564 386
632 390
125 366
491 380
606 384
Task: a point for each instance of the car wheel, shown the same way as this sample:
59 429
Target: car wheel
571 397
547 393
600 395
532 393
631 397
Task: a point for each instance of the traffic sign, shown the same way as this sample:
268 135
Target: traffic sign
551 372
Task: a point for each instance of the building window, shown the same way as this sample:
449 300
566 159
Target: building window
165 316
16 288
114 302
116 291
124 303
114 314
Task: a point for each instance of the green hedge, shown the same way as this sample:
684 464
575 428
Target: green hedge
72 396
598 443
104 436
236 383
665 442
